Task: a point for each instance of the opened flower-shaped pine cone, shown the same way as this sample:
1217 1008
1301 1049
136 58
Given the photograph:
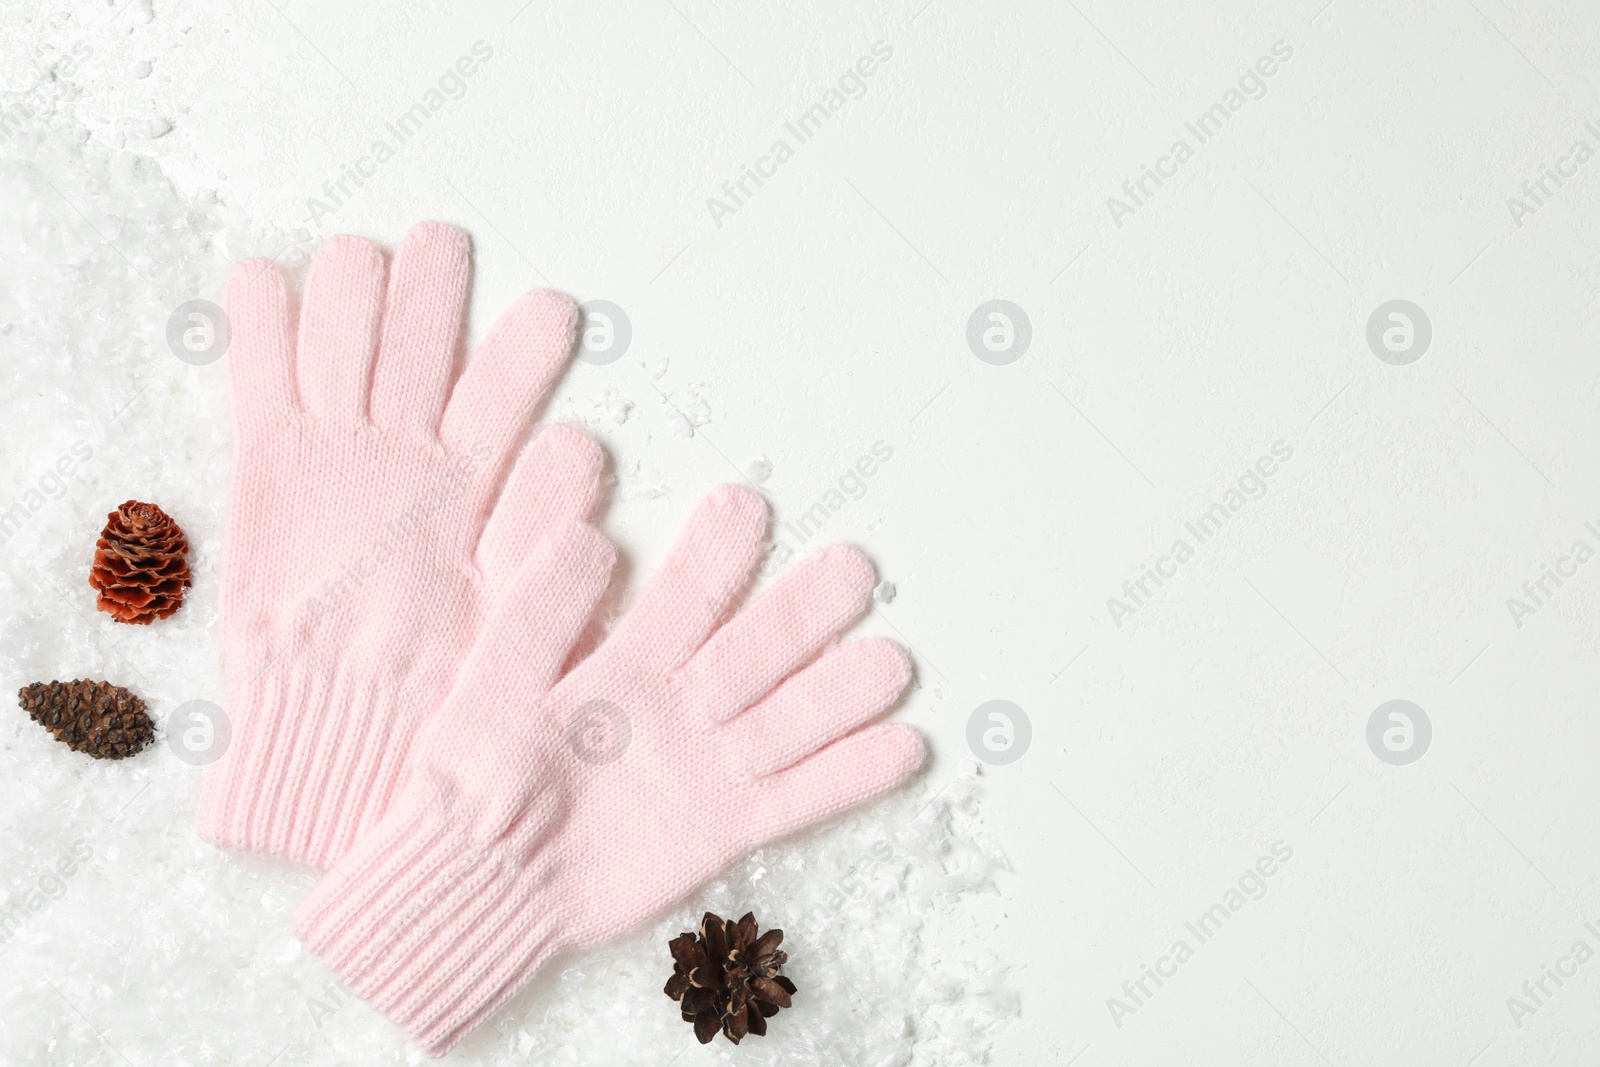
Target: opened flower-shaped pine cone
141 564
726 978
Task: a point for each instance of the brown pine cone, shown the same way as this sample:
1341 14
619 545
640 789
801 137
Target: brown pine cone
141 564
104 720
726 977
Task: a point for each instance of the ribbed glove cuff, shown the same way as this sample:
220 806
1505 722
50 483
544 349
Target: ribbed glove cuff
312 762
431 929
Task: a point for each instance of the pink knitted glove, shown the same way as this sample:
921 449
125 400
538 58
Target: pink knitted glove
356 578
538 820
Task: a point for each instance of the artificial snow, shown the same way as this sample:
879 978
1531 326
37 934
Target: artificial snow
128 940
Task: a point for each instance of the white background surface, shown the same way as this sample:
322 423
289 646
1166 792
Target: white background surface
828 313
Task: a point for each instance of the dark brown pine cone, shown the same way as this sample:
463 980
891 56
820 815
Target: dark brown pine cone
104 720
726 977
141 564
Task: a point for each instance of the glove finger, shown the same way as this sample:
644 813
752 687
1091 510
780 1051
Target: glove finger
262 354
536 624
510 373
422 320
339 327
556 479
784 628
848 687
710 566
854 769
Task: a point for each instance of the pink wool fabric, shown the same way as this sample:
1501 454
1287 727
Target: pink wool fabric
362 556
540 818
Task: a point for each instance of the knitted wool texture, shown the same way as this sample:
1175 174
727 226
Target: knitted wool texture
362 556
539 819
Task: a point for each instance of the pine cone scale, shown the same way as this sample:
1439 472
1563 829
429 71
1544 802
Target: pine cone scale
771 991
